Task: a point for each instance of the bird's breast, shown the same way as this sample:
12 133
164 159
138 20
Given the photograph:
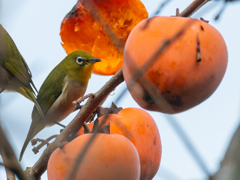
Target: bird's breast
62 107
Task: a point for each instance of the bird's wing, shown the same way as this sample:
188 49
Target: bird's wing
12 60
18 68
50 90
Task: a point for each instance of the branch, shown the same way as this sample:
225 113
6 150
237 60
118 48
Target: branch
193 7
230 164
10 175
9 158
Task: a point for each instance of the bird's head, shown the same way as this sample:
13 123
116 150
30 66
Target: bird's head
79 65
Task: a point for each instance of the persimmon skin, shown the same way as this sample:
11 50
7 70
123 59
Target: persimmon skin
140 128
181 80
109 157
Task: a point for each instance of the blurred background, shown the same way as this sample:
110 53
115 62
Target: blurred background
35 27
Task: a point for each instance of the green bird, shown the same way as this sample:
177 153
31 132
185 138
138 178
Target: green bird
15 74
66 82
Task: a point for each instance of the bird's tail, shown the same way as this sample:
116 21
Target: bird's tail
36 127
28 94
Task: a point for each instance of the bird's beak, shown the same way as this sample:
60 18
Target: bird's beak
93 60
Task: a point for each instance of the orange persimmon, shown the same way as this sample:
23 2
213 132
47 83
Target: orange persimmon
108 157
140 128
101 30
185 73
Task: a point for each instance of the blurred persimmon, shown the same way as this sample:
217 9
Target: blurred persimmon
108 157
140 128
185 73
102 30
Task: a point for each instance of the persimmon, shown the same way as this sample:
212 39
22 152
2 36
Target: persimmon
108 157
185 73
140 128
80 31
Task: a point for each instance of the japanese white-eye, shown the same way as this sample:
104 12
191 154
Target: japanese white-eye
15 74
66 82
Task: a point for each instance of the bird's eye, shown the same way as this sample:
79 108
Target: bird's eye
80 60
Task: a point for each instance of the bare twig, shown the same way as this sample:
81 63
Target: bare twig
9 157
86 128
162 5
224 7
230 164
221 10
156 13
36 149
10 175
193 7
184 137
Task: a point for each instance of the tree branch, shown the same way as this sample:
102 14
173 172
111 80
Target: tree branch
230 165
193 7
9 158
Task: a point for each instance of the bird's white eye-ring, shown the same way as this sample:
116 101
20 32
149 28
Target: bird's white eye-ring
80 60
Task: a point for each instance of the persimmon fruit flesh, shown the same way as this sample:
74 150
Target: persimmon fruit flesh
140 128
101 31
187 71
108 157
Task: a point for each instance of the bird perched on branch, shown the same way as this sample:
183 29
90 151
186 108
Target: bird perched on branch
15 74
66 82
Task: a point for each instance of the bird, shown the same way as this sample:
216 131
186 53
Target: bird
65 83
15 75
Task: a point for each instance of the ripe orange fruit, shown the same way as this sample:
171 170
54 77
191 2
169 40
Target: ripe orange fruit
109 157
188 70
140 128
80 31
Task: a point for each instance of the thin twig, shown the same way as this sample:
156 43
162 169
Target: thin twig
156 13
184 137
10 159
221 10
36 149
10 175
192 8
160 8
230 165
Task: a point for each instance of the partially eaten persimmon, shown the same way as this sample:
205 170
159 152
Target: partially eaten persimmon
101 28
